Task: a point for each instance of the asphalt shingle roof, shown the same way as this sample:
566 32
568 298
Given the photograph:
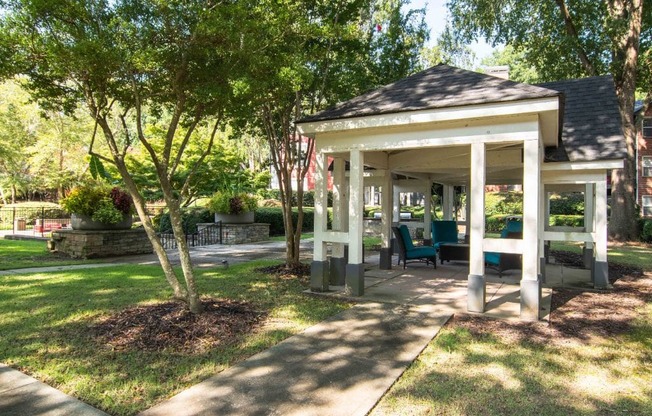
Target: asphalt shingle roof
437 87
592 128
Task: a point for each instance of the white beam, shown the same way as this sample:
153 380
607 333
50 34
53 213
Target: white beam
503 245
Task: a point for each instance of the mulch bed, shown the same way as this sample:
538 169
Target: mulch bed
300 272
171 325
577 316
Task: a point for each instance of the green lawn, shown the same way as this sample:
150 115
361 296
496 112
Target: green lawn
633 254
19 254
45 320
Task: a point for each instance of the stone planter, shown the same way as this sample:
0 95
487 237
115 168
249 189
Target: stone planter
84 222
243 218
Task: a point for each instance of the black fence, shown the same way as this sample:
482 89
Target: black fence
206 235
36 220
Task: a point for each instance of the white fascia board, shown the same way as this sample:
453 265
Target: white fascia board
588 165
518 129
533 106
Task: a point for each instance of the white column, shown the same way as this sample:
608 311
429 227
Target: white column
355 268
339 202
530 282
600 268
476 292
321 204
476 219
589 226
396 204
448 200
319 269
531 195
427 217
387 194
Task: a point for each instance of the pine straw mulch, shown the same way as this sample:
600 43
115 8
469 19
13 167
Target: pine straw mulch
171 325
577 316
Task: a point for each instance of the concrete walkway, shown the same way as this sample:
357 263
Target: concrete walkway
21 395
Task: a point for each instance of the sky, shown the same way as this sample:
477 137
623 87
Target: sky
436 13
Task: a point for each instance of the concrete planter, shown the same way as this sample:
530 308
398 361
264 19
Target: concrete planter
84 222
243 218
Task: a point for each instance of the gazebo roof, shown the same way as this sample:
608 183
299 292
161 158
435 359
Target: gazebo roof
438 87
592 128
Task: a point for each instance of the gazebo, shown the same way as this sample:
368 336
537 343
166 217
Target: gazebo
456 127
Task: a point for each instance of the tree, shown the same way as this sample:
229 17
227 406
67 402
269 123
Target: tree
449 50
129 61
325 52
520 69
564 39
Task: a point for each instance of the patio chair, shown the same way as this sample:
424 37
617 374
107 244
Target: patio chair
408 251
506 261
443 231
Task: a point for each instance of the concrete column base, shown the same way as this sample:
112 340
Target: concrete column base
385 258
337 271
354 279
530 299
587 257
542 267
477 293
600 274
319 276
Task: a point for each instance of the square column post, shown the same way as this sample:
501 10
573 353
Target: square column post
448 201
340 203
427 217
476 296
531 280
387 198
355 268
319 269
600 267
589 209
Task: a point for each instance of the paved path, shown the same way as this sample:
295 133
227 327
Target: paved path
341 366
21 395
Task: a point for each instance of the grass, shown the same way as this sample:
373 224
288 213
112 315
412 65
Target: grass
460 373
19 254
633 254
45 320
465 372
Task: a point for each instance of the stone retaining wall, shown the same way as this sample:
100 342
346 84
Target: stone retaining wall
244 233
95 244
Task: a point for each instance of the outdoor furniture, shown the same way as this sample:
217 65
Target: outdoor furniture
454 252
443 231
506 261
408 251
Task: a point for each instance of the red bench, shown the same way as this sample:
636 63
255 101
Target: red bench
50 225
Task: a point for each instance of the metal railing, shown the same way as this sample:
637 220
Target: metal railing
33 220
206 235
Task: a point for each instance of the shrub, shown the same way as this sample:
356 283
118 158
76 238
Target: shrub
231 203
646 231
495 223
274 217
101 203
569 203
567 220
190 217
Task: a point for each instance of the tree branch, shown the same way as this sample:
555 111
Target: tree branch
571 31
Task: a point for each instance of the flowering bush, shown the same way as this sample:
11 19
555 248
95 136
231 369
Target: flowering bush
229 203
101 203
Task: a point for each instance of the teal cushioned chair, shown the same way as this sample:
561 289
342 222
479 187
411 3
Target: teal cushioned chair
443 231
506 261
408 251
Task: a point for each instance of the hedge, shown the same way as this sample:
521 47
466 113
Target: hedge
190 217
274 217
646 231
567 220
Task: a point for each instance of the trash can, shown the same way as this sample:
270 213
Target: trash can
20 224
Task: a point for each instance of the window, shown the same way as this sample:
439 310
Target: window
646 205
647 128
646 166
